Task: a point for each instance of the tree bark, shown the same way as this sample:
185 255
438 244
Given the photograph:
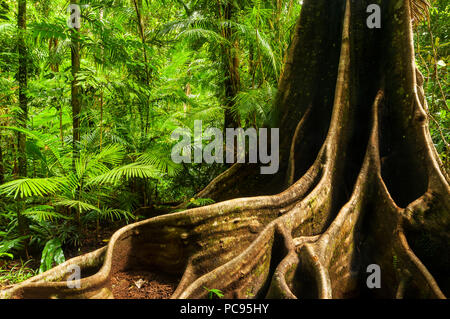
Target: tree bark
232 81
75 90
368 188
22 77
52 48
2 168
75 102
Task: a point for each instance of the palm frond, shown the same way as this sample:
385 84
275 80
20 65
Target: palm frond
43 213
267 50
209 35
134 170
255 102
89 165
70 183
199 202
44 30
420 10
160 159
111 214
80 205
28 187
7 27
46 141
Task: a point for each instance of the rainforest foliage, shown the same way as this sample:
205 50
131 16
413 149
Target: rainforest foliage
86 115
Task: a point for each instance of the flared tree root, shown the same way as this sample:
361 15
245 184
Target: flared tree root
374 194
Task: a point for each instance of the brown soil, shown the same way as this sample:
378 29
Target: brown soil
91 240
152 285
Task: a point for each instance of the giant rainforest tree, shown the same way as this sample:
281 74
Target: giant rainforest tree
360 183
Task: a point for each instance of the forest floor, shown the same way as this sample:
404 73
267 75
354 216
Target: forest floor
125 285
21 268
143 285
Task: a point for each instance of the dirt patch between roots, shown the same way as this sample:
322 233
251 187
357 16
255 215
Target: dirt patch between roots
143 285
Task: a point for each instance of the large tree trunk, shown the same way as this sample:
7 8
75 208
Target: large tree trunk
368 188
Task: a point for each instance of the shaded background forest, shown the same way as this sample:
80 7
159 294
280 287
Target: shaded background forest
145 69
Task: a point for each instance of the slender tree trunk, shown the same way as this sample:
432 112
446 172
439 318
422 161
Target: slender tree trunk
101 120
23 116
22 76
75 91
140 23
2 168
76 104
285 50
101 92
230 58
52 48
251 64
146 123
188 93
61 132
141 30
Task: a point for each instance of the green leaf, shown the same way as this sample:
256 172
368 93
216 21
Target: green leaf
52 253
212 292
6 255
80 205
43 213
199 202
28 187
128 171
